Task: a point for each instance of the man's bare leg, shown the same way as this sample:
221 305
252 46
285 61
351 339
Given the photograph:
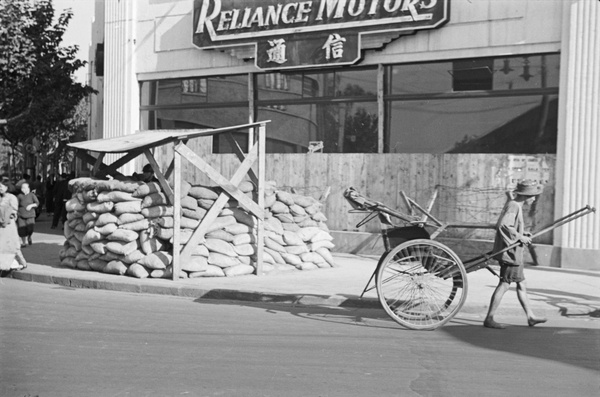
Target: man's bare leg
494 303
524 300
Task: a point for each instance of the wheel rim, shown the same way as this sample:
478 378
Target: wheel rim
421 284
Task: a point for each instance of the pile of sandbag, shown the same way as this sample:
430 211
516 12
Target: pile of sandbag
126 227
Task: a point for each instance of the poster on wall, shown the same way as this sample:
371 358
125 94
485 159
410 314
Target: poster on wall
292 34
522 167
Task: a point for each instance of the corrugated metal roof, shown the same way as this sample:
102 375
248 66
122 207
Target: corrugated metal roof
149 139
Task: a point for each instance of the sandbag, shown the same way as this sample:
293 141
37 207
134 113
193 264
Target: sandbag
189 202
246 238
321 235
296 249
324 252
115 196
320 244
222 260
238 270
211 271
244 249
73 205
220 246
100 208
270 200
97 264
156 260
307 233
197 214
110 256
274 224
238 228
270 243
69 262
91 236
121 247
297 210
157 211
149 244
220 223
99 247
200 250
82 264
319 217
311 257
313 209
146 189
154 199
285 197
280 208
195 264
285 218
106 229
137 226
246 187
123 235
89 217
307 266
203 192
127 207
220 235
243 217
291 259
137 270
106 218
115 267
303 201
292 227
133 257
308 223
291 238
129 218
275 237
275 255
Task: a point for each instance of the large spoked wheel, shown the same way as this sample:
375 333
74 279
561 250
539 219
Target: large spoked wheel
421 284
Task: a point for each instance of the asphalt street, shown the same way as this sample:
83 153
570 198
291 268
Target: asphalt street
62 341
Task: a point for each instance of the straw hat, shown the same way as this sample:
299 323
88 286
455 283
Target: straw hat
528 187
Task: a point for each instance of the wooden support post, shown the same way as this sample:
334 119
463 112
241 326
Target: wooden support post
430 204
176 265
98 163
240 155
260 232
161 178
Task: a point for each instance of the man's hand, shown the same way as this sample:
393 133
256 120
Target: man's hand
525 240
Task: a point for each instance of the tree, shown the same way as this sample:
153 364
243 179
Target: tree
40 104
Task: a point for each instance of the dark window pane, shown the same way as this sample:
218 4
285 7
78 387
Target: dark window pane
339 127
506 73
148 93
227 89
525 124
356 82
198 90
272 86
318 85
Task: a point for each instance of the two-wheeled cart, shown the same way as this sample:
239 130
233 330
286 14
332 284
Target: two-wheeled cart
421 283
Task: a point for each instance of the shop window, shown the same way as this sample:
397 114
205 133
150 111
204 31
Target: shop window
348 127
507 124
487 74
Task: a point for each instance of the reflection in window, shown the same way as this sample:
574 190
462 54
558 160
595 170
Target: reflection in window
525 124
349 127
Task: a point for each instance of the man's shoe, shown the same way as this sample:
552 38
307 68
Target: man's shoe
29 240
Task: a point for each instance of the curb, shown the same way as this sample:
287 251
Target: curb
308 300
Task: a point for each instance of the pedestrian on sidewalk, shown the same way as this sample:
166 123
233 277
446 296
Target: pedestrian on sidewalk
510 229
28 202
61 196
10 251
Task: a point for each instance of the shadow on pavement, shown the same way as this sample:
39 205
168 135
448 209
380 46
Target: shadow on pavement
564 345
587 305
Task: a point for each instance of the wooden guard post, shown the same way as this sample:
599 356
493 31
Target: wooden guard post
255 155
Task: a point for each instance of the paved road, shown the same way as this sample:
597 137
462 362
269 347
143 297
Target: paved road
60 341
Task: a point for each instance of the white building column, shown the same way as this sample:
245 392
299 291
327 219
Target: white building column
578 154
121 90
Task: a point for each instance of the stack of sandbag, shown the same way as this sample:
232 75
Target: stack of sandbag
296 234
108 228
126 227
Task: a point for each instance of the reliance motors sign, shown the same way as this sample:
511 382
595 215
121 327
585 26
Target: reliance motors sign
288 34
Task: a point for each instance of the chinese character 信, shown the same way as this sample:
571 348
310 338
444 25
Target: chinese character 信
277 51
334 46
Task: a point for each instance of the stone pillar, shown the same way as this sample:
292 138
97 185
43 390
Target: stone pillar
121 91
578 154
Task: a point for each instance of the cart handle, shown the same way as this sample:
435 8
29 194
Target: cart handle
557 223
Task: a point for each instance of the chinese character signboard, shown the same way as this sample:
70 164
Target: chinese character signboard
289 34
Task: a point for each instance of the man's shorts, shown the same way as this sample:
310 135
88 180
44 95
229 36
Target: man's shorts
511 273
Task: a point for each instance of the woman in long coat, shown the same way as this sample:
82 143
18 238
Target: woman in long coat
10 250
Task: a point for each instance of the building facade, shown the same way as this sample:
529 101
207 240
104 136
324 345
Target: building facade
512 80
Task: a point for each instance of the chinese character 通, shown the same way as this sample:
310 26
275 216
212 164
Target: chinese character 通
334 46
277 51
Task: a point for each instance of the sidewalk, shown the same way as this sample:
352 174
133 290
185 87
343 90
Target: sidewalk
552 292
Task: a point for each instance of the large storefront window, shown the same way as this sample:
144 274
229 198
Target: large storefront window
478 105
